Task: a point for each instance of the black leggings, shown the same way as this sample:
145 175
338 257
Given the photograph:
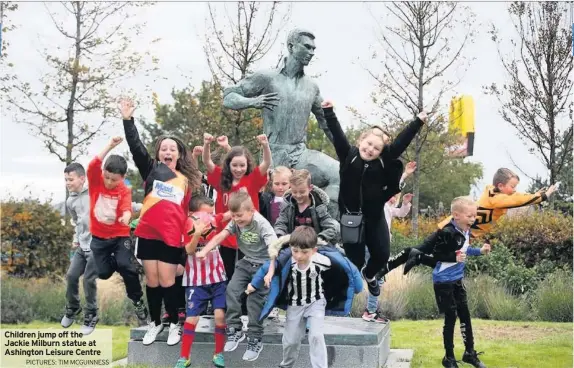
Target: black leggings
401 257
379 245
451 300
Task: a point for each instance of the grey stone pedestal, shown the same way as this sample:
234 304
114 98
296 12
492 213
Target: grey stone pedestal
351 342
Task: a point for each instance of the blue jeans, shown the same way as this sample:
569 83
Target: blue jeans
372 301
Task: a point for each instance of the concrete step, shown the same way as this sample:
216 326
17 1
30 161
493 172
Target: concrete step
351 342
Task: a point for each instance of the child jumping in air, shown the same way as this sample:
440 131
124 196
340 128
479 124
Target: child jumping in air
110 213
205 281
313 281
237 171
494 202
78 204
169 177
450 247
370 175
254 236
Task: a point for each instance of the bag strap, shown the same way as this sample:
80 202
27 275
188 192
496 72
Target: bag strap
365 165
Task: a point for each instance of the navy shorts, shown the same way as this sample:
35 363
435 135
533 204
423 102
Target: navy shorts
197 298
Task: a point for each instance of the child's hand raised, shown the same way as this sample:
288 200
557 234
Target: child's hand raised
197 151
127 107
207 138
550 190
115 141
410 168
485 249
326 104
262 138
423 116
223 141
407 198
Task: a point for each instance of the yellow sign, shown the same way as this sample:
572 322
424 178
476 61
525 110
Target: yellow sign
461 115
55 348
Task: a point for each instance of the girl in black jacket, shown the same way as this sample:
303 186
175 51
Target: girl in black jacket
373 169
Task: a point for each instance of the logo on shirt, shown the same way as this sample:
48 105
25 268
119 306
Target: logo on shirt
167 191
249 237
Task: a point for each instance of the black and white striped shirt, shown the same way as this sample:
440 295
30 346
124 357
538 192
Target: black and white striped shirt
306 285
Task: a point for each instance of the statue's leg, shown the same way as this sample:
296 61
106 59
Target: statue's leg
324 174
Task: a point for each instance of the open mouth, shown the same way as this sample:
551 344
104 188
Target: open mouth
167 160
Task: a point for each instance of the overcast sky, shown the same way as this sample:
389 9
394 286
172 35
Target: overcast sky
345 33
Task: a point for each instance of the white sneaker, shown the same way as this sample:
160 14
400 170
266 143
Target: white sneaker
233 339
174 336
152 333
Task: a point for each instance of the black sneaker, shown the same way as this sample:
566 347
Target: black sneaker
90 322
141 310
471 357
449 362
70 316
373 285
414 259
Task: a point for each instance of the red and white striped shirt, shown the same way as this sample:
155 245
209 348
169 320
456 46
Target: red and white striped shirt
207 271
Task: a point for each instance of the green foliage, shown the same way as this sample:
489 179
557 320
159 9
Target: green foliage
553 297
35 239
539 236
442 179
504 267
15 302
421 302
194 113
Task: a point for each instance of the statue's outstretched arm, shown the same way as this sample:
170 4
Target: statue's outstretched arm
249 92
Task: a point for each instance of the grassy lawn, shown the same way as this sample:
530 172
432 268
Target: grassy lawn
120 335
506 344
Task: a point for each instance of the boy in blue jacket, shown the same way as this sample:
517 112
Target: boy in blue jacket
450 248
310 282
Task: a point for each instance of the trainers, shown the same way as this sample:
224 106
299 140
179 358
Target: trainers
449 362
70 316
233 339
152 332
254 347
373 285
165 319
174 336
381 318
414 259
141 310
218 360
182 363
90 322
369 317
471 357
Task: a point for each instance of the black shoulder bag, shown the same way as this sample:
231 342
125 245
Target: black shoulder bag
352 223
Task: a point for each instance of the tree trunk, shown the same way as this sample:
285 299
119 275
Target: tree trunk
73 88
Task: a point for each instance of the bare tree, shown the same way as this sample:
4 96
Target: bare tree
234 46
5 8
537 98
75 100
421 42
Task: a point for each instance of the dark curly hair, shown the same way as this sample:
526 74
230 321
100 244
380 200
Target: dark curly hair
184 163
226 175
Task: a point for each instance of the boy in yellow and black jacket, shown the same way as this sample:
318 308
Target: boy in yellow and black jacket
494 202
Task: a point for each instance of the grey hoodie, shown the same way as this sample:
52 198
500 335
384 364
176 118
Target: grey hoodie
79 206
